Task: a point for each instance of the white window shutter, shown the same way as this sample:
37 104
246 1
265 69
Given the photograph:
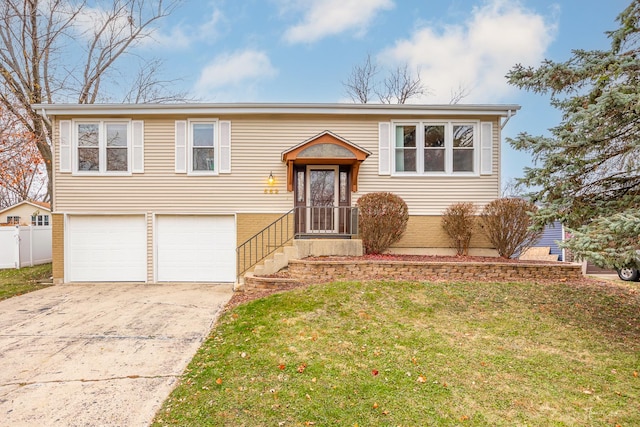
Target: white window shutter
137 144
384 148
181 146
225 147
65 145
486 148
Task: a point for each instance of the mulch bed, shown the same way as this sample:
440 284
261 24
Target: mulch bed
429 258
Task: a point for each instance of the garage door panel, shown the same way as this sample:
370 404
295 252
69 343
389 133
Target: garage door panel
195 248
107 248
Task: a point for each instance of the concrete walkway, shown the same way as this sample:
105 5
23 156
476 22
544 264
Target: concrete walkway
99 354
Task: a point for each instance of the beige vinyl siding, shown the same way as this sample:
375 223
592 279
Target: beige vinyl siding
257 143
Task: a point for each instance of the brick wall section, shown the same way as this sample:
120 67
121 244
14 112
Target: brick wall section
248 224
57 242
424 231
329 271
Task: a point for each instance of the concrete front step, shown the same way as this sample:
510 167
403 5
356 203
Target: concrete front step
301 249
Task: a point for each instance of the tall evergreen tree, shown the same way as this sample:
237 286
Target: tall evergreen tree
587 174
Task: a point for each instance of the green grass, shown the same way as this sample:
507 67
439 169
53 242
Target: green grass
20 281
418 354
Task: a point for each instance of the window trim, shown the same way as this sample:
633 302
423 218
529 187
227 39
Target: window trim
216 147
448 146
40 220
102 147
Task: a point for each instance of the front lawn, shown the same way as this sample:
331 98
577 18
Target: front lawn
20 281
416 354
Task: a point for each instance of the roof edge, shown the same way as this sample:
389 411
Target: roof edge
29 202
276 108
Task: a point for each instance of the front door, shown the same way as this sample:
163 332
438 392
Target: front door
322 191
322 199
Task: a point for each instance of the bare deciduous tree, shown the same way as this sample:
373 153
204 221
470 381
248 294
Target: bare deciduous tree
361 81
61 50
512 188
22 172
397 87
400 86
458 94
148 87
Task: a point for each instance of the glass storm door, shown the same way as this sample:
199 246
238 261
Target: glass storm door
322 199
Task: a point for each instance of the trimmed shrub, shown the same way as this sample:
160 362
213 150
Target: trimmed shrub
458 221
383 218
507 224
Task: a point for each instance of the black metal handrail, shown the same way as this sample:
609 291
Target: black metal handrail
326 220
300 221
265 242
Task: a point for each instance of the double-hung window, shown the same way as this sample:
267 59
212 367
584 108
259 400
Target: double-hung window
463 148
406 151
103 146
202 147
435 148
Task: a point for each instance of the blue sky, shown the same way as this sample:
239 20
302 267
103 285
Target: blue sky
302 50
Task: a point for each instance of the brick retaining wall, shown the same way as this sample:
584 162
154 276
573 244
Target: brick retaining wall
329 271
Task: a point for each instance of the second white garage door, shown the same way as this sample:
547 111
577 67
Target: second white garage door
195 248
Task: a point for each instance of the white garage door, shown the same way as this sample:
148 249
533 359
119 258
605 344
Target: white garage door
106 248
195 248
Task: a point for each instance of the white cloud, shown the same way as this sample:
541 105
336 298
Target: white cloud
182 36
233 70
179 36
476 54
175 39
89 20
324 18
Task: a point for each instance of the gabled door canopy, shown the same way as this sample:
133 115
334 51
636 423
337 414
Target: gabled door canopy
326 148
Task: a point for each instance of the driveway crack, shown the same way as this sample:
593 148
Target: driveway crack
91 380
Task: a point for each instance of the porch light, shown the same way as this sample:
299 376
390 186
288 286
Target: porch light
271 181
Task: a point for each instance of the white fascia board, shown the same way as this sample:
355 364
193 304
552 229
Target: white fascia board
77 110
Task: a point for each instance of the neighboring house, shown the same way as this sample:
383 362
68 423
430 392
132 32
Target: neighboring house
552 235
26 213
25 235
547 246
165 193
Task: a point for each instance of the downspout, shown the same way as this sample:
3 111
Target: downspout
509 115
46 118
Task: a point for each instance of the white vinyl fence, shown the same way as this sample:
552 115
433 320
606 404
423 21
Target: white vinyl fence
24 246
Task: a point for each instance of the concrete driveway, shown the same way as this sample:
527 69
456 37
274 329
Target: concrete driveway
99 354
